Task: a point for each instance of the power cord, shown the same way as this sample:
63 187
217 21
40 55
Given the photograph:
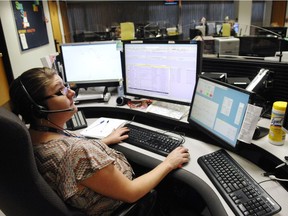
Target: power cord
272 177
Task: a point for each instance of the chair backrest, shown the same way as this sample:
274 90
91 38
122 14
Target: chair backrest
23 191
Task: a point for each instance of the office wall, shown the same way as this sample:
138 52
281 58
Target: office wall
4 95
23 60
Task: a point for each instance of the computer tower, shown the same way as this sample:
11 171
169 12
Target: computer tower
226 46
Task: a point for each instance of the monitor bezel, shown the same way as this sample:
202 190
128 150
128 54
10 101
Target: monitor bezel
218 140
198 66
90 83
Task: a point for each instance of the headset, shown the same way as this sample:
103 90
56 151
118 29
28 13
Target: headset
38 110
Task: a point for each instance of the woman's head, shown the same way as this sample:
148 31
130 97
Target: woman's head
32 92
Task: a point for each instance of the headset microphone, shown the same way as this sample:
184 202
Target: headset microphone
58 111
38 110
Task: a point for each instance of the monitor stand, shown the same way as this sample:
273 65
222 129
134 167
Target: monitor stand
170 110
91 94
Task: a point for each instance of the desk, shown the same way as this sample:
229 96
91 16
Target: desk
192 173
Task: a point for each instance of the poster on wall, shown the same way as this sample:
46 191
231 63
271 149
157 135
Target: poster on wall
30 23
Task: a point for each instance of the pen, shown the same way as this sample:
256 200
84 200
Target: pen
98 124
104 125
282 164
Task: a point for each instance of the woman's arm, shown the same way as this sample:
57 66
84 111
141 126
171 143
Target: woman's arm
116 136
110 182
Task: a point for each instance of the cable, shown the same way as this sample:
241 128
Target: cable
273 177
265 181
62 129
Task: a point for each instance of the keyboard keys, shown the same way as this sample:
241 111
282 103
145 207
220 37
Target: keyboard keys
242 193
150 140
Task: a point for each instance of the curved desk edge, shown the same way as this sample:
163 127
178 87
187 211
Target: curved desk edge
253 152
209 196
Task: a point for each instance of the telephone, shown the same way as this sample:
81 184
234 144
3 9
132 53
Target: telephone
77 121
263 78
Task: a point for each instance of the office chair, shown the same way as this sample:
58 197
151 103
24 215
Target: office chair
23 191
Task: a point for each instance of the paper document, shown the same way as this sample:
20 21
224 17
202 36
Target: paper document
175 111
102 127
249 125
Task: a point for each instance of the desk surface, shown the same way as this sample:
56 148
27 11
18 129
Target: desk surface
198 148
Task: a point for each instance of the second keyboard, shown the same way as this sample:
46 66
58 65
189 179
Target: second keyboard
150 140
242 193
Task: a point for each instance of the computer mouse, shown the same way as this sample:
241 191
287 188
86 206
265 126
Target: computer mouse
260 132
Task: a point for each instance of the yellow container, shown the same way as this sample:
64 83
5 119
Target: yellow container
276 134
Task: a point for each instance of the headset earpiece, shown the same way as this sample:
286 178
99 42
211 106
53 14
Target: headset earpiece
40 111
35 108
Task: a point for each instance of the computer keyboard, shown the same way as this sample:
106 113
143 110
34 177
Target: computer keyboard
242 193
151 140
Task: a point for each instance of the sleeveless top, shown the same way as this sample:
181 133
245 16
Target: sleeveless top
67 161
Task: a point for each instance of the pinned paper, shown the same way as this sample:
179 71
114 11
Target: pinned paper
23 41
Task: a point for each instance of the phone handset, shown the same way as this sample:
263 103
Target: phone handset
259 81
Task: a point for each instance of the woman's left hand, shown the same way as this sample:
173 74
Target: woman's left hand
116 136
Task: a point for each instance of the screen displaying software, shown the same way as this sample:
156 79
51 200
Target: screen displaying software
164 71
92 62
219 109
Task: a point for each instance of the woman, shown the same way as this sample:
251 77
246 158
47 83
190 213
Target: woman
86 173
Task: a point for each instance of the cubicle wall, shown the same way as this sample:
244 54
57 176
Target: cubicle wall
249 68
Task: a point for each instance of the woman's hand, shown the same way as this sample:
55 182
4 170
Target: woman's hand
116 136
178 157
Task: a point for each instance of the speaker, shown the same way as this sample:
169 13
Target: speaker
121 101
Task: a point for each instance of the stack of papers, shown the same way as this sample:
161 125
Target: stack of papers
102 127
175 111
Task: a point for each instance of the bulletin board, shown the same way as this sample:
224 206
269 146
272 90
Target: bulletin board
30 23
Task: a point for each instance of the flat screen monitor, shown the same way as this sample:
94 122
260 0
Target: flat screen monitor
161 70
261 46
272 31
91 64
218 109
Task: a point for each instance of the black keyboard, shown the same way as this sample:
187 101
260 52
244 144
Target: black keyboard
151 140
242 193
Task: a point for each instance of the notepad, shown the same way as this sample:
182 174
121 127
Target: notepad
102 127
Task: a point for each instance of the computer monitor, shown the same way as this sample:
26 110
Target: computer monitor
218 109
161 70
261 46
272 31
91 64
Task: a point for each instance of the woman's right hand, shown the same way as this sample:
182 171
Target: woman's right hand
177 157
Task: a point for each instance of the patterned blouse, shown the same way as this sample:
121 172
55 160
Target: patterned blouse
65 162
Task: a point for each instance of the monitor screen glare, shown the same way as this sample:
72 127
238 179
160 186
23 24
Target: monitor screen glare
92 63
163 71
219 110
